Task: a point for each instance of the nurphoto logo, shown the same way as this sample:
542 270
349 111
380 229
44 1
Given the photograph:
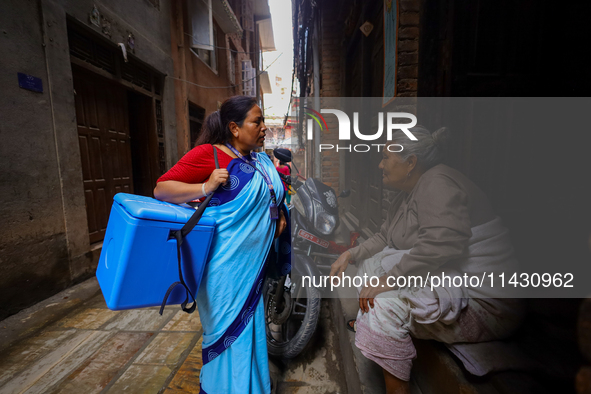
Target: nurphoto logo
392 124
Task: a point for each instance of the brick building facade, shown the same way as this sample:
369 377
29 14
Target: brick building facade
204 78
92 97
97 123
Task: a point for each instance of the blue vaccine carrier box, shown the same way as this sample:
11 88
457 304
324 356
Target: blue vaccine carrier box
139 262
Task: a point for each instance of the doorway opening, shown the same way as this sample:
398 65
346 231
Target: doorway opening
120 124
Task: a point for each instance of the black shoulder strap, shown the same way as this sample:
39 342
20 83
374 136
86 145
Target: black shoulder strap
179 235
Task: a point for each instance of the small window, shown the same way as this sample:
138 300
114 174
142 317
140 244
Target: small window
247 15
208 56
248 79
203 32
201 24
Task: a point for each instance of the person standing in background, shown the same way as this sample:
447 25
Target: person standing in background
284 169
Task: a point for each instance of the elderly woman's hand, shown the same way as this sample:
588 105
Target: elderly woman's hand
368 294
341 264
281 224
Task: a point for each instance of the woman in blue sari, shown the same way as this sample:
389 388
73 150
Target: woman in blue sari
247 191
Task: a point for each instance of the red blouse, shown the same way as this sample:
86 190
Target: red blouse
197 165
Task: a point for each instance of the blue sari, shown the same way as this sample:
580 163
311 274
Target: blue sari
229 299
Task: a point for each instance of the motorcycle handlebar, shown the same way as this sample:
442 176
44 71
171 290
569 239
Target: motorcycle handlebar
285 178
289 180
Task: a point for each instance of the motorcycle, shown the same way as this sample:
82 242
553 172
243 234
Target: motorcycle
292 309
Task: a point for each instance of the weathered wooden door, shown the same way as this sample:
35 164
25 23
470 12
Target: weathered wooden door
356 167
374 77
103 134
364 70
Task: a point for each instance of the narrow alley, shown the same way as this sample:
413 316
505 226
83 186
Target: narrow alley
72 343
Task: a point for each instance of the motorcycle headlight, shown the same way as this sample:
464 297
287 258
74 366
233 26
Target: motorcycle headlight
297 203
324 222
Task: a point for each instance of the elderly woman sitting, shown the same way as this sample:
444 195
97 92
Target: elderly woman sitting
439 224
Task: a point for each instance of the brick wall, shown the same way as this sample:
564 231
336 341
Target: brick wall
408 48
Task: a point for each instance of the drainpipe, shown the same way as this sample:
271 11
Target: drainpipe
317 155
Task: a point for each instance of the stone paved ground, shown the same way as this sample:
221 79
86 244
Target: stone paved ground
92 349
319 369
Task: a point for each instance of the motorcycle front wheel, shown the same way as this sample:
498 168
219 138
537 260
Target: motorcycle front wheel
291 328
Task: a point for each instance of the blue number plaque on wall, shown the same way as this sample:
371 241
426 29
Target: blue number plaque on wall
30 82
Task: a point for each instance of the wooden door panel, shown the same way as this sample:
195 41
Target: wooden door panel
96 155
87 99
364 70
125 153
85 156
357 181
103 131
112 123
375 77
80 105
143 143
89 196
103 201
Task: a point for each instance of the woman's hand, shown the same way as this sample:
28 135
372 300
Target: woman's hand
341 264
281 225
368 294
218 176
179 192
